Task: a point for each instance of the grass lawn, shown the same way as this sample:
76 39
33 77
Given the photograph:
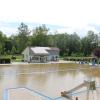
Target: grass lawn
18 57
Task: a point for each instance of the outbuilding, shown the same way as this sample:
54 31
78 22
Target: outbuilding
40 54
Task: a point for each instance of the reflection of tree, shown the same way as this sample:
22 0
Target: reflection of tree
2 73
39 80
92 72
62 73
22 79
68 68
74 73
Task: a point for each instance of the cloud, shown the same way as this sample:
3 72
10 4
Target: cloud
80 31
69 13
75 15
69 30
10 28
91 28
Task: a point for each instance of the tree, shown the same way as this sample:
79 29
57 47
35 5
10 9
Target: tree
96 53
61 41
22 37
74 43
51 41
2 42
40 37
85 46
23 29
93 39
88 43
0 48
13 51
8 46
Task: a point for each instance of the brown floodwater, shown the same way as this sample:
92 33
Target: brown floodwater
49 79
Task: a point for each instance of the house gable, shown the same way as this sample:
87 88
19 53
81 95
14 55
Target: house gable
41 54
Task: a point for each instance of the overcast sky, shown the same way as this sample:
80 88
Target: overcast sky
66 15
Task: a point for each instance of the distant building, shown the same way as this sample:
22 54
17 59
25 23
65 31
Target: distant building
40 54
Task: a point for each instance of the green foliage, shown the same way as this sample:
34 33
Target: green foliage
8 46
23 29
40 37
13 51
77 55
85 59
18 57
69 44
21 40
74 43
89 42
2 42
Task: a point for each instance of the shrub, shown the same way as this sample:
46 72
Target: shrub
13 57
5 60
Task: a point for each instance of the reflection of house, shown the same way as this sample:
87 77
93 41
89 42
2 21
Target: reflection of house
40 54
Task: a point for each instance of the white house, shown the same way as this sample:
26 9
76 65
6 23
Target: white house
40 54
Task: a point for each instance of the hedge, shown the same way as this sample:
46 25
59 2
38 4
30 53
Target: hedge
5 60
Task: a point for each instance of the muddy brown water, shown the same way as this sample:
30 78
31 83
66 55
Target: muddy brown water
49 79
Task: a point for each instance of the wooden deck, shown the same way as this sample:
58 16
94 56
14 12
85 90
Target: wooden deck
92 95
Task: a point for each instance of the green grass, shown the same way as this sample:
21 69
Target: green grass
18 57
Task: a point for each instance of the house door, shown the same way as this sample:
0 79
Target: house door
42 59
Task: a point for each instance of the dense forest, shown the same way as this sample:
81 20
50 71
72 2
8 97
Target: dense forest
69 44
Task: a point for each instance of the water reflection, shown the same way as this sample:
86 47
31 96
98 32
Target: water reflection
22 80
50 79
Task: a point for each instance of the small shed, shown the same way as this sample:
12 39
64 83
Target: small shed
40 54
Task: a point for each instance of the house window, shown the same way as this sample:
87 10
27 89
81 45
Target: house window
56 58
35 58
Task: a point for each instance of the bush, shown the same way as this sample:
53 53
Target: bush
22 60
13 57
77 55
85 59
5 60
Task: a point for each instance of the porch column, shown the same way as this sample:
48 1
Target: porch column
39 58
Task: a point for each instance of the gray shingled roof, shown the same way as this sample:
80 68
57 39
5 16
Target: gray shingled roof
40 50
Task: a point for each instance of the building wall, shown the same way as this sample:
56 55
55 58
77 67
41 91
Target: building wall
53 55
39 59
26 54
29 56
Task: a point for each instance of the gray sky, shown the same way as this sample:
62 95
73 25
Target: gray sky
71 15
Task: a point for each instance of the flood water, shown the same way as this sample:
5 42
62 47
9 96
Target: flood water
49 79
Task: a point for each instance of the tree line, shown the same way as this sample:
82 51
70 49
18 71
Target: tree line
69 44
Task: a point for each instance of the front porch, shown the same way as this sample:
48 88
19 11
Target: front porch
38 59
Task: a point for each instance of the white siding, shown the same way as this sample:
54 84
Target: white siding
26 54
41 54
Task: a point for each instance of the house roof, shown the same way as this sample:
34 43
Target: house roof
40 50
54 48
